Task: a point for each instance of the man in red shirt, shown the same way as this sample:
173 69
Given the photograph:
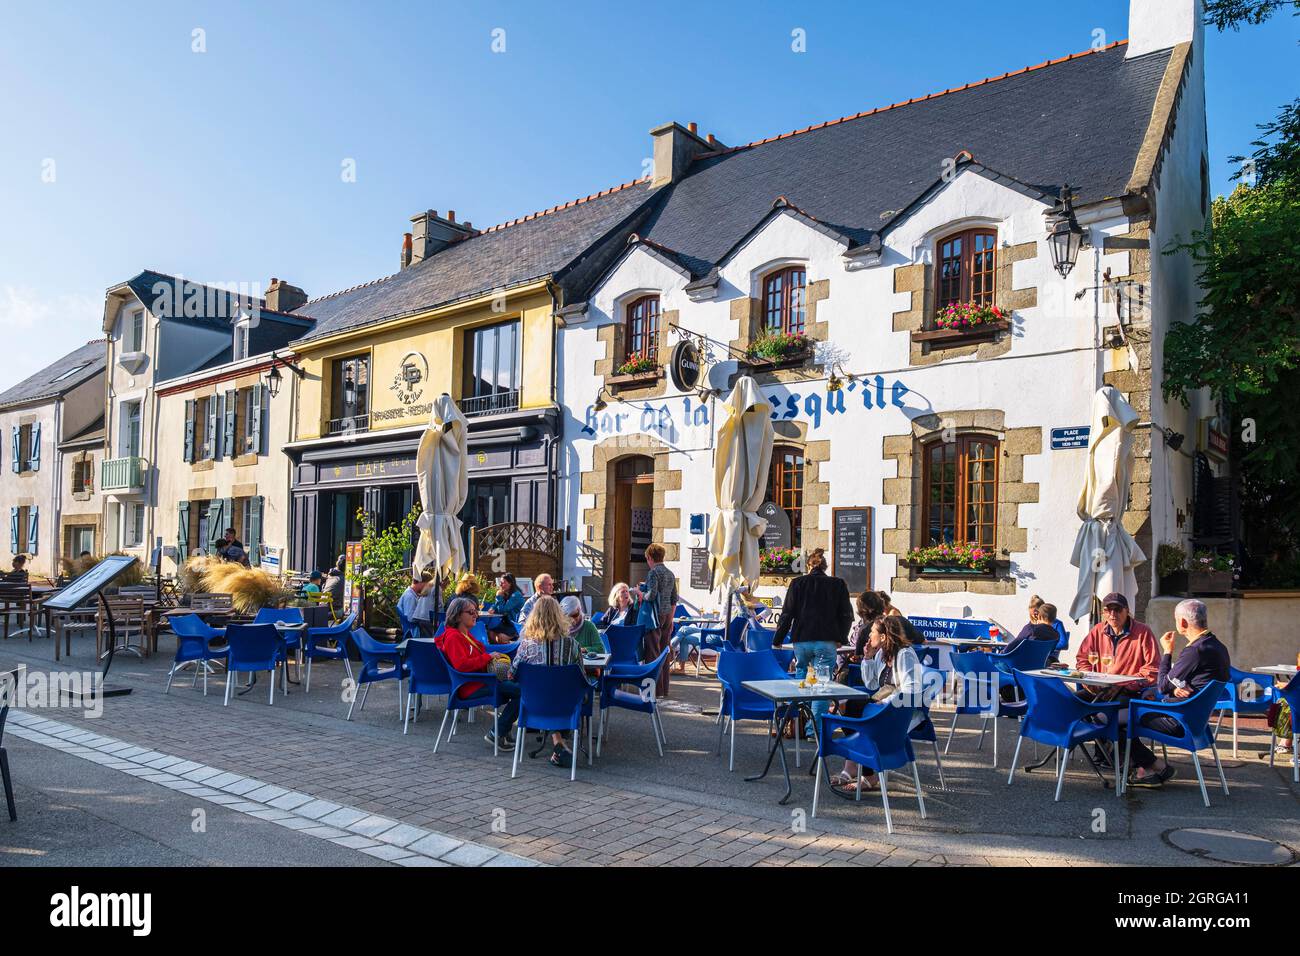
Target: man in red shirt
1131 648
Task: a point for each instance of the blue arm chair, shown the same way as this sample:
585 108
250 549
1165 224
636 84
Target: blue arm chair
613 696
735 636
1192 717
489 695
193 645
480 633
979 685
759 638
1244 693
329 644
426 673
1029 656
553 698
623 644
380 661
734 668
1291 694
1054 716
879 741
252 648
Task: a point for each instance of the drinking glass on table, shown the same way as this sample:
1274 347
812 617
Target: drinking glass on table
1093 658
1106 662
823 673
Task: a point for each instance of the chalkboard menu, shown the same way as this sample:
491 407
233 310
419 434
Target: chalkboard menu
851 547
777 534
700 577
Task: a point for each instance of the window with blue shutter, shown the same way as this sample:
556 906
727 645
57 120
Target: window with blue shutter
33 535
16 449
254 541
232 408
13 530
35 451
189 430
182 531
210 429
259 420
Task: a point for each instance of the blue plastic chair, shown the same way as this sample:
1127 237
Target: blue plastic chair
784 657
878 740
759 638
623 644
193 646
380 661
734 668
406 625
613 696
284 615
251 648
426 673
1244 693
489 695
980 681
1291 694
735 636
1193 718
1054 716
553 698
316 647
1029 656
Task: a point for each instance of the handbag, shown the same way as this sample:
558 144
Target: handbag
647 617
500 666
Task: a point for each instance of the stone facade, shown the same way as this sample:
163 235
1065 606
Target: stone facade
905 491
747 313
613 338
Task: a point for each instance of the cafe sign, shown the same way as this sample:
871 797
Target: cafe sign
408 383
684 367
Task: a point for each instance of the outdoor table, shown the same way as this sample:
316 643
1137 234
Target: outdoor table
594 662
1091 679
1275 670
969 642
787 696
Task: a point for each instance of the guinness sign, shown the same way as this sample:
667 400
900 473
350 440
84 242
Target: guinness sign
684 368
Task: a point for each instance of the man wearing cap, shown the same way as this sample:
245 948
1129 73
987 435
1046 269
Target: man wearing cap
1132 649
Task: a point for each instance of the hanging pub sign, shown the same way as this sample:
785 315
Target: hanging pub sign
1213 439
684 368
777 534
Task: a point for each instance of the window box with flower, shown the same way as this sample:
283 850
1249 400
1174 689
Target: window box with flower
637 371
776 350
1210 573
960 323
951 559
777 561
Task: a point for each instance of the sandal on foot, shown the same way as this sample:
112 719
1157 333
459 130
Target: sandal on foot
560 757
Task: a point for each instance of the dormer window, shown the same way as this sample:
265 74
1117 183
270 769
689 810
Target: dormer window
243 330
783 301
966 263
642 320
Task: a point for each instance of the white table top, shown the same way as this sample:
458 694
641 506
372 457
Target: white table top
595 660
717 621
1277 670
967 641
780 690
1086 677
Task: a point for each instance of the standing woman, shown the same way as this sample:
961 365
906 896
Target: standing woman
817 615
661 593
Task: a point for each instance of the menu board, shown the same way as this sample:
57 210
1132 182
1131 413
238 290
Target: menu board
90 583
851 547
701 579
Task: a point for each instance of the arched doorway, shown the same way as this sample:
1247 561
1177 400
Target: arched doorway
632 478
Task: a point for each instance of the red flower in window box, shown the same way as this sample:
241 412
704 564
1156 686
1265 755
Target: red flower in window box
636 365
959 316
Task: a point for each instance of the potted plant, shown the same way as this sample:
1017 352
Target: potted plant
636 365
946 558
1171 566
1210 573
777 348
777 560
636 370
959 322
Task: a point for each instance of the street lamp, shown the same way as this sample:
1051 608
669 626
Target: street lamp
1067 236
274 379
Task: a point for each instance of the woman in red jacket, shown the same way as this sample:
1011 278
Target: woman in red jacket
466 654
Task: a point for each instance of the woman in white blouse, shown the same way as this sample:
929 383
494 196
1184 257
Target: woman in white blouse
892 672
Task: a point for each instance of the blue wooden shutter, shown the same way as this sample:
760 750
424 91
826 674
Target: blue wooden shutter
33 534
17 449
210 432
233 448
182 532
13 530
36 446
189 430
216 525
259 419
254 541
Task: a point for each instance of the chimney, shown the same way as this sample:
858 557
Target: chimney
431 233
1162 24
282 297
406 249
674 148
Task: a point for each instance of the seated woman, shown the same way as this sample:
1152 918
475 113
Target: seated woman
508 603
580 629
891 671
622 608
464 653
467 587
546 639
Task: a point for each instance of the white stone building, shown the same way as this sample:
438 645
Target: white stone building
855 233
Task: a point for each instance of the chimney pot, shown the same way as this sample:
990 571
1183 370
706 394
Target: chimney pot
693 127
711 140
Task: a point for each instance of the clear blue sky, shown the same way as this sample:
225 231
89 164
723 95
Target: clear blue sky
226 165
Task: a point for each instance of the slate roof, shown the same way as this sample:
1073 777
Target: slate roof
42 385
549 243
150 286
1079 120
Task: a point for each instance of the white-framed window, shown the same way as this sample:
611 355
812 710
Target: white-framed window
129 442
133 333
133 526
243 330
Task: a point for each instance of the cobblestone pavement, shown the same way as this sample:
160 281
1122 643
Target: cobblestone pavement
633 807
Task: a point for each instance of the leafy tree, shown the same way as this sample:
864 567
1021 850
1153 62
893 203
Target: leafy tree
1231 14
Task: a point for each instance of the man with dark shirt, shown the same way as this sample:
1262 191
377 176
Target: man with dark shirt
19 573
1204 659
